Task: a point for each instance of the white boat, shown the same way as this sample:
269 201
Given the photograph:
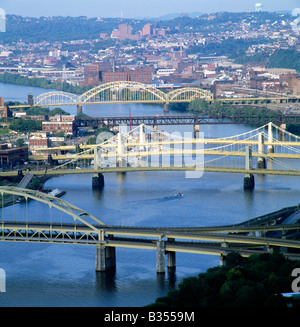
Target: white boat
57 193
180 195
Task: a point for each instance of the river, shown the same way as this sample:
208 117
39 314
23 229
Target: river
64 275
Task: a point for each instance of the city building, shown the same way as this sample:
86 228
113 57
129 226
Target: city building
141 76
58 127
125 31
36 142
12 156
265 83
91 75
147 30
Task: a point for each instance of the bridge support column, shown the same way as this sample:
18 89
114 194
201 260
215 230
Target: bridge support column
270 148
98 181
249 178
166 107
171 257
222 259
121 159
160 257
105 258
171 260
79 109
283 249
30 100
261 161
50 160
196 130
281 133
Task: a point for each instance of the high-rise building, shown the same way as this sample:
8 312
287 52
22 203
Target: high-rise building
147 29
2 21
125 31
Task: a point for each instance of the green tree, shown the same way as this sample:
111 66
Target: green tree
20 143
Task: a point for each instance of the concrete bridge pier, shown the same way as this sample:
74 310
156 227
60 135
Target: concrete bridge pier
30 100
166 107
160 257
196 130
79 109
222 259
105 258
171 257
98 181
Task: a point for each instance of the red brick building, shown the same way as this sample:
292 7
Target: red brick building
141 76
58 127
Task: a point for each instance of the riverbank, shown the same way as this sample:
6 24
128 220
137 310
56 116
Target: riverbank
16 79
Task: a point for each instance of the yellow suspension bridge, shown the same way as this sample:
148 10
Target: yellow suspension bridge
268 149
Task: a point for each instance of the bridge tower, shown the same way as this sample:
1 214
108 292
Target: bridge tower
270 148
249 178
121 149
261 161
30 100
98 178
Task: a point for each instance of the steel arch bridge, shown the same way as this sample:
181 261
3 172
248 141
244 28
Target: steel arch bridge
55 98
75 225
122 92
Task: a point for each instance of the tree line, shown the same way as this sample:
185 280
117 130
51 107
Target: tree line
257 281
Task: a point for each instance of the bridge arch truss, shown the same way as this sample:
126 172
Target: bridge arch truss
76 225
55 98
189 94
122 92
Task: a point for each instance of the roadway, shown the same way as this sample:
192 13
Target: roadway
199 168
208 242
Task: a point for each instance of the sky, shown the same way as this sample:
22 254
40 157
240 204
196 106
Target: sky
135 8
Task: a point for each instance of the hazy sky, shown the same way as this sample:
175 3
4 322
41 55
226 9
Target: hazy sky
134 8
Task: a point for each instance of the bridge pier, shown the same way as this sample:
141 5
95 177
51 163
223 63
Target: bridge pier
166 107
98 181
171 257
105 258
196 130
30 100
249 178
79 109
160 257
222 259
